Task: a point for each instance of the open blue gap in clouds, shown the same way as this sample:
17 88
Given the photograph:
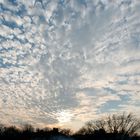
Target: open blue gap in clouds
112 105
67 61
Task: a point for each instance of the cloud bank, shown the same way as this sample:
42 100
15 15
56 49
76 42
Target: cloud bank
67 61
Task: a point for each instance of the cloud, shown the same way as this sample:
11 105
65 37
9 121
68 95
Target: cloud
77 59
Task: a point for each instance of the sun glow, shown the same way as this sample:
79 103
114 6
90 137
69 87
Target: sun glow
64 116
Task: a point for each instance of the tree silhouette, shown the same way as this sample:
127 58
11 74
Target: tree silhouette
115 127
125 124
65 131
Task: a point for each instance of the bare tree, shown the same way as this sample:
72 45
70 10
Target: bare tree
67 132
28 128
125 124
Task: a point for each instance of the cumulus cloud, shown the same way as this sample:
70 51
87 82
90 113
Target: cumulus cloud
64 61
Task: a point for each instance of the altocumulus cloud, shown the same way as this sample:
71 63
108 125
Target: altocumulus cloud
65 61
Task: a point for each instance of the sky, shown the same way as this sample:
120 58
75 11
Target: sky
65 62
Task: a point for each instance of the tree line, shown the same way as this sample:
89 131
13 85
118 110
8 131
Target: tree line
113 127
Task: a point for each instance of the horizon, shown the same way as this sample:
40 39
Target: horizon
66 62
98 125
